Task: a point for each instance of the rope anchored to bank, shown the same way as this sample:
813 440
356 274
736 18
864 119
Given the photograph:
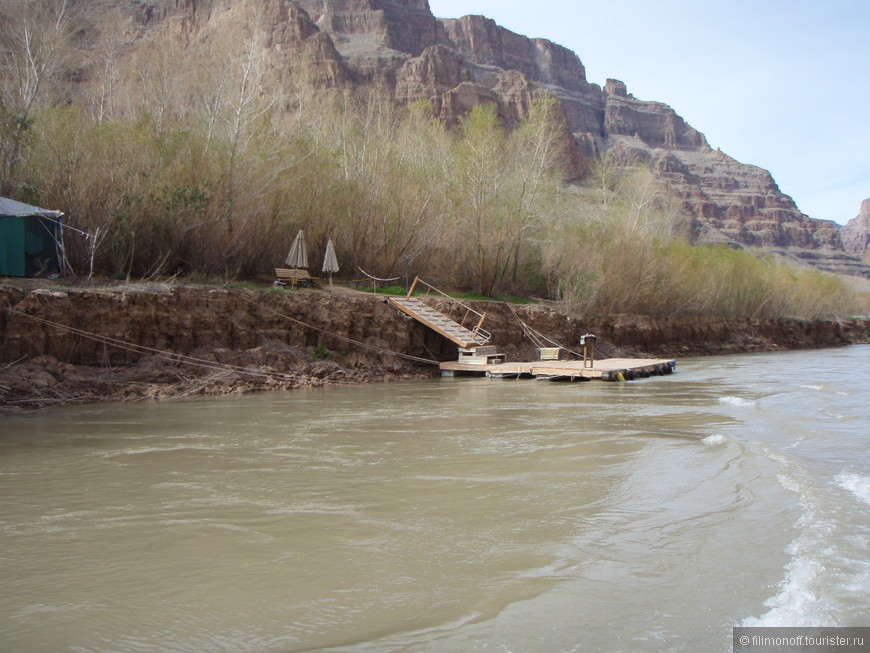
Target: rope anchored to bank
216 365
357 343
160 353
537 337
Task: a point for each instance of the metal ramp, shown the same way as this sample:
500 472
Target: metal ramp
453 330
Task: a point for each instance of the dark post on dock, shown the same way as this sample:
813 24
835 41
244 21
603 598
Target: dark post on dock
588 344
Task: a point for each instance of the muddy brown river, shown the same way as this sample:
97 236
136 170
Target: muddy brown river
447 515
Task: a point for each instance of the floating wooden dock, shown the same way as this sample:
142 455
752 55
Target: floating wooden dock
464 326
608 369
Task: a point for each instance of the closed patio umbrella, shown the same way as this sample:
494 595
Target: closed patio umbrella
298 256
330 262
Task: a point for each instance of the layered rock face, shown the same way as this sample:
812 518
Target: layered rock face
856 234
289 31
375 37
403 25
459 63
654 124
488 45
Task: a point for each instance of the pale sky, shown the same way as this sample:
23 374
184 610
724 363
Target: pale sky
781 84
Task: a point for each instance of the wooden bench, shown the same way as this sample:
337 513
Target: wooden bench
295 276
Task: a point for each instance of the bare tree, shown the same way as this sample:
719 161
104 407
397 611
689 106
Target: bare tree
538 150
156 85
106 61
34 50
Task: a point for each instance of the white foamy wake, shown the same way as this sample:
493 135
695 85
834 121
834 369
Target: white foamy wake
800 599
711 440
736 401
856 484
796 602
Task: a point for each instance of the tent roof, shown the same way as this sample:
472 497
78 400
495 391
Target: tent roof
11 208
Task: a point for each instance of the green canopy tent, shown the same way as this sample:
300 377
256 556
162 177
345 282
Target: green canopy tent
30 240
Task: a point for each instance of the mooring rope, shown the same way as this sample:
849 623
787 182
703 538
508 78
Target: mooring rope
364 345
207 364
160 353
527 330
374 278
537 337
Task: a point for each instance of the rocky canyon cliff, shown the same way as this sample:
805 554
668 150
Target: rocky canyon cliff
856 234
458 63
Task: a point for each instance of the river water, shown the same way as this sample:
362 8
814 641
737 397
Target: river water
451 515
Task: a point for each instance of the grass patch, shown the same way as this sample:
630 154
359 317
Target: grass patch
245 285
469 296
321 353
475 296
512 299
389 290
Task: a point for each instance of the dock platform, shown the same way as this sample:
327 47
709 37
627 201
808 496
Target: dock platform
608 369
479 358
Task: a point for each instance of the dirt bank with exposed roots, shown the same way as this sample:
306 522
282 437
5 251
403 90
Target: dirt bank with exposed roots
61 345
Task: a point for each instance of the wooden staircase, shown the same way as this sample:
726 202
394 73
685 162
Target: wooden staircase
437 321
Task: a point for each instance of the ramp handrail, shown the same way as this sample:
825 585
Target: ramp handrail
476 330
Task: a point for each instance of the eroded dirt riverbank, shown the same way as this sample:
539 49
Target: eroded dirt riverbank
62 345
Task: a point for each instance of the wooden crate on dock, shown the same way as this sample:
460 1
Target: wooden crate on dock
487 355
550 353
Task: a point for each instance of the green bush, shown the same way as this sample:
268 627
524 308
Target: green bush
321 353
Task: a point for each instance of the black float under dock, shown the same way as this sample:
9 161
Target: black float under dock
609 369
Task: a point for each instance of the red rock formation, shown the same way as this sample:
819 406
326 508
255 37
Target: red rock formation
290 32
376 37
654 123
488 44
402 25
856 234
435 72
